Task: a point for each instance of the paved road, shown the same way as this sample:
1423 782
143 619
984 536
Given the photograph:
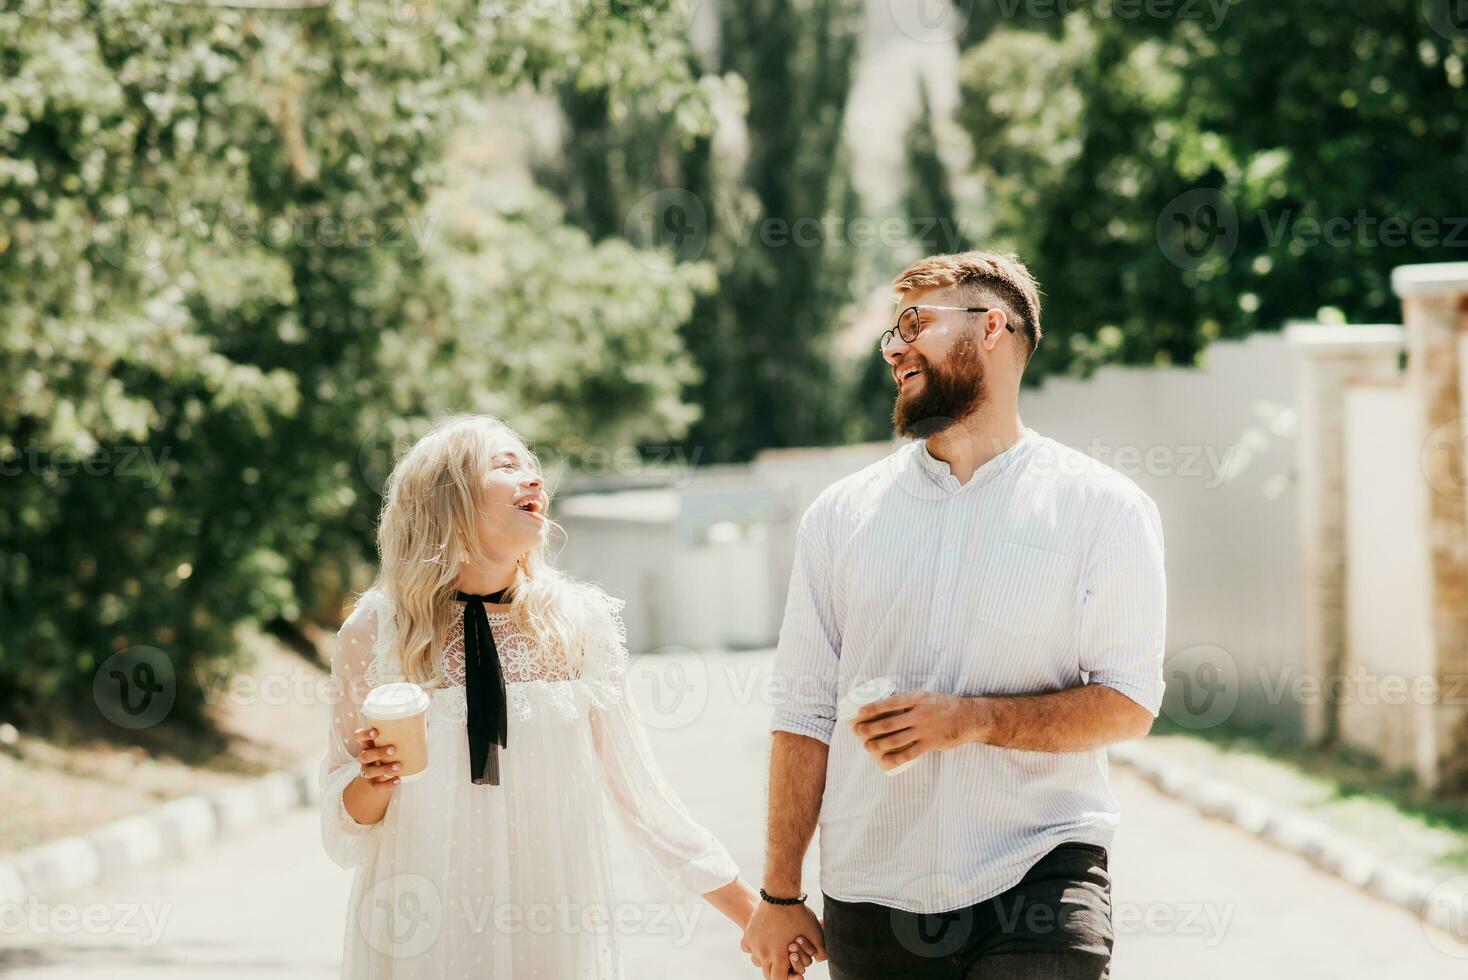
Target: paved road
1193 897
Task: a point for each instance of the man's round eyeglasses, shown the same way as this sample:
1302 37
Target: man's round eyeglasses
910 323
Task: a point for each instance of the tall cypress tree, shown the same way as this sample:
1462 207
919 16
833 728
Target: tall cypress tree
763 339
775 230
932 211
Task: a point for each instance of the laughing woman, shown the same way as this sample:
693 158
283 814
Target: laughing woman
495 862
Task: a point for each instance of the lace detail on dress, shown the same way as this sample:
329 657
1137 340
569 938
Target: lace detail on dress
384 668
521 658
531 676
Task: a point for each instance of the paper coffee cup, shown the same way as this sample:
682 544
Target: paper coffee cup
399 712
863 694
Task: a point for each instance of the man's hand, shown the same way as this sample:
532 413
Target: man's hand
771 933
1075 719
905 726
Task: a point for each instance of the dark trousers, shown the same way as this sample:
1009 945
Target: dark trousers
1054 924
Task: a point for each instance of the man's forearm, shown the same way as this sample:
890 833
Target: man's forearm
797 783
1077 718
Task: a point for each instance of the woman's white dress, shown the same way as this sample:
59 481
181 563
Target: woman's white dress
514 880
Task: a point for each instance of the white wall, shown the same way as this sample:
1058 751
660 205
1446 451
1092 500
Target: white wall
1387 582
1214 446
633 559
691 562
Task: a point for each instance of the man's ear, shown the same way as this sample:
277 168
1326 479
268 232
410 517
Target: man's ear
994 323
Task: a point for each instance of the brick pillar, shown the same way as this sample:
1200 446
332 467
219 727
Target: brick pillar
1329 359
1435 311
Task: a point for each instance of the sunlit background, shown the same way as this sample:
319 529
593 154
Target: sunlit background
249 250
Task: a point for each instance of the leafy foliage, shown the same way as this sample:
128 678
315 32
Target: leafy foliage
769 214
238 261
763 339
1172 180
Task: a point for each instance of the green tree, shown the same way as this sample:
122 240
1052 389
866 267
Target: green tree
772 224
224 285
927 197
762 340
930 209
1170 179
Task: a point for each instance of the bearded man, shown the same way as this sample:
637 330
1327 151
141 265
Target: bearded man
1011 590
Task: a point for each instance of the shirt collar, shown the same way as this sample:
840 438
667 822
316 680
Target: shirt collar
937 470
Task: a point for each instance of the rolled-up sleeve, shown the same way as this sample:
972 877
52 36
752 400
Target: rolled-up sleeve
1124 618
809 650
347 842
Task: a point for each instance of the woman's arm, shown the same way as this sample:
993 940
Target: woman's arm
736 901
688 856
352 807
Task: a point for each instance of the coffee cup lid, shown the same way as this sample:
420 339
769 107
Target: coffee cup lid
389 702
865 693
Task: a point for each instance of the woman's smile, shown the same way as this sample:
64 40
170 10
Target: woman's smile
533 505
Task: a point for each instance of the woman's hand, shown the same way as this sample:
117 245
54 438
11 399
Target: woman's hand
802 954
367 796
378 765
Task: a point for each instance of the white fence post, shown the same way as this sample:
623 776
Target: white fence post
1435 311
1331 358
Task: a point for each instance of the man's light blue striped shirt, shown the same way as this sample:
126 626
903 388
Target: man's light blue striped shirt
1042 572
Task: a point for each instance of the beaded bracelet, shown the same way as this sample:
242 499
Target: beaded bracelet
781 901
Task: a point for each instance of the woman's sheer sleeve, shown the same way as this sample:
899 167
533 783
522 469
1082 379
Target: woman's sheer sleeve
347 842
688 856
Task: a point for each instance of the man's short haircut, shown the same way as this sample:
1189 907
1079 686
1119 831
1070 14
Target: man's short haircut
992 277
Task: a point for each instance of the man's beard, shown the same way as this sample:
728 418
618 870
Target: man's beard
949 394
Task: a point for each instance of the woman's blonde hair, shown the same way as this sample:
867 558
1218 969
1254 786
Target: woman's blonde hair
430 526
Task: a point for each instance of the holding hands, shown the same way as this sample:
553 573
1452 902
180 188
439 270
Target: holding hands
776 940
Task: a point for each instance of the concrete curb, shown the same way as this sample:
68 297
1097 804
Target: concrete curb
1441 903
173 831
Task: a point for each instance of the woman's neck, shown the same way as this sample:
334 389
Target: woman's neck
485 579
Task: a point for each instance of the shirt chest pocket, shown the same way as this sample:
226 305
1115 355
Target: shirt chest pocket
1025 591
